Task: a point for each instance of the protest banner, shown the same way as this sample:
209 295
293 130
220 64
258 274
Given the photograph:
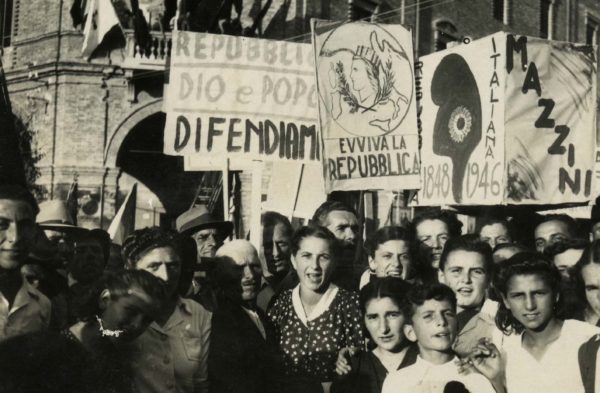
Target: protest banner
367 106
244 97
507 120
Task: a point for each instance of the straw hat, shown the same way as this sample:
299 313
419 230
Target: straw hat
54 215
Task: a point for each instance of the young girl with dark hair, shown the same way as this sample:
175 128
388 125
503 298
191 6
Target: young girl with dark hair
540 350
383 320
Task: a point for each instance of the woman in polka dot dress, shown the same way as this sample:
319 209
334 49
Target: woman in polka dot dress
316 319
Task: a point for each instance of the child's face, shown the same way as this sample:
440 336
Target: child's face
384 321
130 313
433 326
464 272
530 300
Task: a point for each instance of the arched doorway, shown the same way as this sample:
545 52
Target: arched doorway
141 156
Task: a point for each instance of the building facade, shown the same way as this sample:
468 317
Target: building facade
100 122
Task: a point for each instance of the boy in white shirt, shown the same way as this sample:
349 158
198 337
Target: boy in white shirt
430 312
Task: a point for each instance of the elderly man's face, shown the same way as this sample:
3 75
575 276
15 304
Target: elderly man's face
344 225
17 230
242 269
208 242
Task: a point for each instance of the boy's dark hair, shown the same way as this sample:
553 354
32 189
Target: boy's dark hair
419 294
118 285
453 224
524 263
320 216
468 243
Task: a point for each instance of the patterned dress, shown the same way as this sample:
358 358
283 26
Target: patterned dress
310 343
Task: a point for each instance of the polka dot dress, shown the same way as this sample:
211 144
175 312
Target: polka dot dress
312 350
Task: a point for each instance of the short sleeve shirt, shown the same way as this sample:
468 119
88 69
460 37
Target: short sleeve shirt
310 343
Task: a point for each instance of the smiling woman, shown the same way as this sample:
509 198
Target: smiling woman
316 319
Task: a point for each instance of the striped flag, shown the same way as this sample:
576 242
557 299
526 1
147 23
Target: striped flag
124 222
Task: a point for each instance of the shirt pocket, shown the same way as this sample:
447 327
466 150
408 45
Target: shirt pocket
192 346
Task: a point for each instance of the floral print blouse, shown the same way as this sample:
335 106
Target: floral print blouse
310 343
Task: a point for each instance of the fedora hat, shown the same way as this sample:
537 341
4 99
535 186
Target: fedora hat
54 215
198 218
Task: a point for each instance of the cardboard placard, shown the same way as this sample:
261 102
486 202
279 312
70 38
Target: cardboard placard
241 97
367 106
507 120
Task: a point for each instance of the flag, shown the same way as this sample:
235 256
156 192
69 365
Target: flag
77 12
101 18
124 222
72 205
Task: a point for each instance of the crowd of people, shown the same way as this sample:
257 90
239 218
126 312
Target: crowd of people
423 307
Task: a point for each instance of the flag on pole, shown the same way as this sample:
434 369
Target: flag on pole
124 222
72 205
101 18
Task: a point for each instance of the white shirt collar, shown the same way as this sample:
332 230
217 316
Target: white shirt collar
320 308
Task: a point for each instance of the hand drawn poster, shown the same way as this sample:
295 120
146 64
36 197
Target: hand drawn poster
507 119
241 97
550 121
367 106
462 119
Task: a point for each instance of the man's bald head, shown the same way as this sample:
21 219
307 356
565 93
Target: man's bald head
239 264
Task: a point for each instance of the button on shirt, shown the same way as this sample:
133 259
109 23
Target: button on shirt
174 358
30 312
426 377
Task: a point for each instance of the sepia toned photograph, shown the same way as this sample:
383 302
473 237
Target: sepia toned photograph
299 196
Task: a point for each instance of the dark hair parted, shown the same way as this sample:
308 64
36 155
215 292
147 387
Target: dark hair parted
320 216
523 264
591 255
419 294
385 234
468 243
448 217
270 219
569 221
385 287
118 284
318 232
142 241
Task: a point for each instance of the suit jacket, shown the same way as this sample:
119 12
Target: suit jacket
240 360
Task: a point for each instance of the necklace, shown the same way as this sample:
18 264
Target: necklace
108 332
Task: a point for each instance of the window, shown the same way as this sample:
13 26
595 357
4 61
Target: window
444 34
546 19
6 14
592 28
498 9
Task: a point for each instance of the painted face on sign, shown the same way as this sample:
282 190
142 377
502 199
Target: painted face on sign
359 77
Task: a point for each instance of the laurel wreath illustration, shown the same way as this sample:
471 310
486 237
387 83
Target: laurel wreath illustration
384 90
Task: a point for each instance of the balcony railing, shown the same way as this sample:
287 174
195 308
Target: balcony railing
152 57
